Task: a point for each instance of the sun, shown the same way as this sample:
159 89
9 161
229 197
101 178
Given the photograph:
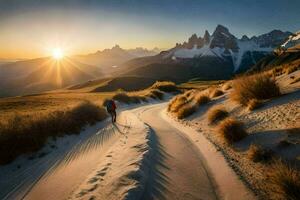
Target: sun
57 53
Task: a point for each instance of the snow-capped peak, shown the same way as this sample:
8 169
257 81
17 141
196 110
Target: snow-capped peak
292 41
222 44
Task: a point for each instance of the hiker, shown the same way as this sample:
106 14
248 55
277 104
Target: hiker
111 109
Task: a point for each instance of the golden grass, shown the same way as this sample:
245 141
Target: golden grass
123 97
258 86
231 130
253 104
291 69
27 133
257 154
284 181
186 104
201 99
295 80
186 110
227 85
277 71
216 114
155 94
165 86
177 102
216 92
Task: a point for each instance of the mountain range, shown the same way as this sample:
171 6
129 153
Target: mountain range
109 59
219 55
214 56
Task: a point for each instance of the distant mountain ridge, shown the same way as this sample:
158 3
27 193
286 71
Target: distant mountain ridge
109 59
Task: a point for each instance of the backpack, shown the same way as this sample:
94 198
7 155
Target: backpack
110 106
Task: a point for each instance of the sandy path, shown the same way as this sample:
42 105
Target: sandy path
178 171
80 161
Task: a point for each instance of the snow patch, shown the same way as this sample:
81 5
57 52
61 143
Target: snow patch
199 52
292 41
244 46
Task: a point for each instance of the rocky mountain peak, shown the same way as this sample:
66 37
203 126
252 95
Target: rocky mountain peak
206 37
221 29
272 39
224 39
245 38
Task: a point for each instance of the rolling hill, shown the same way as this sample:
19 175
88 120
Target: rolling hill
39 75
109 60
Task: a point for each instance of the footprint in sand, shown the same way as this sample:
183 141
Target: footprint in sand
101 173
109 156
93 180
81 193
86 191
104 169
94 187
92 198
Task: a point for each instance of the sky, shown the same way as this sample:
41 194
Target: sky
32 28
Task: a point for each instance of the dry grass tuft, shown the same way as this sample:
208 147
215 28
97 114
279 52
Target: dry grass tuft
291 69
190 94
257 154
127 99
186 110
284 180
231 130
277 71
227 86
28 133
295 80
202 99
258 86
216 114
176 103
155 94
253 104
216 92
165 86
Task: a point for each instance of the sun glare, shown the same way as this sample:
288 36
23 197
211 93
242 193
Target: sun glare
57 53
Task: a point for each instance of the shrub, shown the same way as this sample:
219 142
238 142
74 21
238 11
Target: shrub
165 86
231 130
295 80
278 71
216 92
253 104
259 86
257 153
292 69
190 93
122 97
125 98
202 99
155 94
186 110
28 133
176 103
227 85
216 114
284 180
